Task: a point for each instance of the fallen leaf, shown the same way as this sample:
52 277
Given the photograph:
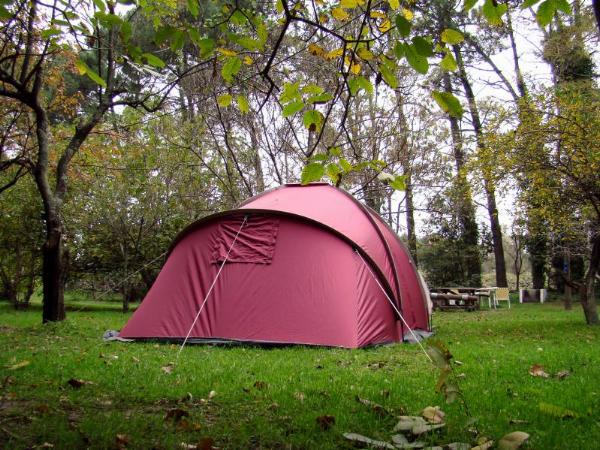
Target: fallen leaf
20 365
273 406
43 408
122 440
186 425
46 445
459 446
512 441
407 423
176 414
518 422
562 374
377 408
422 429
376 365
260 385
212 394
433 414
325 422
186 446
299 396
206 443
168 368
363 440
135 360
76 384
484 446
537 370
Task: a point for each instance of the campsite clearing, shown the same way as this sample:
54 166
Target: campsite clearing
64 386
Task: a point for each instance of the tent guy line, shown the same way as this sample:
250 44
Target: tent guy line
212 286
416 338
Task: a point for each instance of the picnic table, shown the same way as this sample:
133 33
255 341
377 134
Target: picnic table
460 298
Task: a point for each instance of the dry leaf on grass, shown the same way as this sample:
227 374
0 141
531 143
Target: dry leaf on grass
512 441
206 443
562 374
376 407
260 385
19 365
76 383
484 446
433 414
168 368
299 396
121 440
176 414
537 370
325 422
363 440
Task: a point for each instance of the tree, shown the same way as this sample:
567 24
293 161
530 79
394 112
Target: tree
37 37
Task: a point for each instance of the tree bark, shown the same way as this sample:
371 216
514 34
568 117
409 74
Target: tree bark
466 209
54 274
588 302
410 220
488 182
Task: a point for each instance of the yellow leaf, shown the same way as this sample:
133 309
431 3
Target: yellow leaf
351 3
226 52
378 15
394 4
340 14
355 68
408 14
385 26
365 54
323 18
333 54
248 61
19 365
316 50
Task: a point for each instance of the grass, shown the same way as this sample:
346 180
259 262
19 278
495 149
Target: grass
271 398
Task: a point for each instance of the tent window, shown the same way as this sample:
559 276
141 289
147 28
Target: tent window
255 243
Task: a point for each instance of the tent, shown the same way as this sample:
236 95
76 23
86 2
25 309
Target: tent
293 265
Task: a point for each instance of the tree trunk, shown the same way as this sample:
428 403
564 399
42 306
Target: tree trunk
410 220
466 210
588 302
488 182
54 274
568 291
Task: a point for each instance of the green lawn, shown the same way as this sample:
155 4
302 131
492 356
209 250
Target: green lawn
271 398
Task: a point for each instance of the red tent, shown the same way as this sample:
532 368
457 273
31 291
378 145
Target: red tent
297 264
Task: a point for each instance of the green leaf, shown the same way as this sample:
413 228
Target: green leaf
245 41
416 61
448 103
422 46
563 5
399 50
153 60
545 12
452 37
84 69
469 5
529 3
290 92
333 170
192 6
312 172
100 5
493 13
207 47
346 166
231 67
313 120
164 34
448 63
177 41
334 151
319 98
398 183
50 33
224 100
388 74
243 104
109 20
4 13
319 157
126 31
312 89
292 108
262 33
403 25
358 83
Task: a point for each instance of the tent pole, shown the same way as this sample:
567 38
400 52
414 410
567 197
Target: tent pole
212 286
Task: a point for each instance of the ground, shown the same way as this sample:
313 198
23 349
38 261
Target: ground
61 385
